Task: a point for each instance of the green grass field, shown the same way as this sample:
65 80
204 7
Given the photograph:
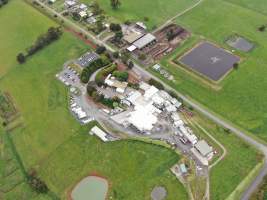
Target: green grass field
132 168
258 6
52 138
157 11
16 35
242 98
235 166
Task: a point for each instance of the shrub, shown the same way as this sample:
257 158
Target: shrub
156 84
121 75
115 27
21 58
100 49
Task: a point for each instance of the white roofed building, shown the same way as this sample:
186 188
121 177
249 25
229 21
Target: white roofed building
145 41
150 92
203 148
112 82
99 133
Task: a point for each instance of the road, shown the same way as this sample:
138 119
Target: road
77 27
218 120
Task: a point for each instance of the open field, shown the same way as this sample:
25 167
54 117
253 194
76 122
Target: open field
57 140
242 97
258 5
132 168
157 11
12 42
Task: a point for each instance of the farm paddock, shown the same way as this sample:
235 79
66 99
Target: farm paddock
209 61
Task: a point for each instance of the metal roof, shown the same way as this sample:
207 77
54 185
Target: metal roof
145 40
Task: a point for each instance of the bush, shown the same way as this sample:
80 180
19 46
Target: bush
121 75
156 84
100 49
36 183
115 27
262 28
116 55
21 58
89 70
90 89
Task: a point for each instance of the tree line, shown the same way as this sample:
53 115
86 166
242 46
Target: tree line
52 34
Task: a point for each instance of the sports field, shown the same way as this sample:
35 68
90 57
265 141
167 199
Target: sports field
157 11
242 97
50 137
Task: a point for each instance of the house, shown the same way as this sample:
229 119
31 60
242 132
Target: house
141 26
83 14
112 82
52 1
83 7
131 36
156 67
70 3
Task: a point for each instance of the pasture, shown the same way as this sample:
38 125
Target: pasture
16 35
241 97
51 137
157 11
236 165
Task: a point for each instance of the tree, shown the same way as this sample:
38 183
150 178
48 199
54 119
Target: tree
130 64
90 88
21 58
142 56
115 4
100 49
121 75
125 57
235 66
96 10
115 27
36 183
118 36
156 84
262 28
116 54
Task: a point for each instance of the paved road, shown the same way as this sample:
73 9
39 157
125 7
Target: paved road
195 105
74 25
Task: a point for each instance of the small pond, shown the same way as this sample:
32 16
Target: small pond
90 188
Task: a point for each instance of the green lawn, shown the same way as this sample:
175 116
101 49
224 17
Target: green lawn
258 5
242 98
158 11
51 137
132 168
